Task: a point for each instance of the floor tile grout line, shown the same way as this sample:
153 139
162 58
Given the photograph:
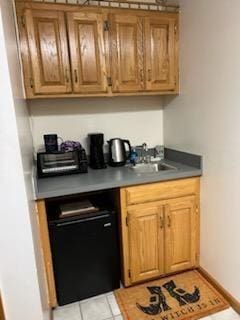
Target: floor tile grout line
81 314
109 305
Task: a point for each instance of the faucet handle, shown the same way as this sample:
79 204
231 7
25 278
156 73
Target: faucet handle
159 151
144 146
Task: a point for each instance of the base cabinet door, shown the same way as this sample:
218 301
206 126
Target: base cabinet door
146 242
87 50
180 234
160 42
48 47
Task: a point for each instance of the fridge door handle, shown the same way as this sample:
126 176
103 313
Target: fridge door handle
66 223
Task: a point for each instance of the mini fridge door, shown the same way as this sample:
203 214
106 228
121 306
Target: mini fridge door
85 256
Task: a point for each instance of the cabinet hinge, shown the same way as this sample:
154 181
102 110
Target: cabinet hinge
31 82
197 209
129 273
106 25
109 81
127 221
23 21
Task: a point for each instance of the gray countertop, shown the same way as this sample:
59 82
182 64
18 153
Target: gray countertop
115 177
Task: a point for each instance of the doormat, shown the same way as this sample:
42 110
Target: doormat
179 297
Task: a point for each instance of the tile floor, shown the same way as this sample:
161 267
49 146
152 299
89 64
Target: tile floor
104 307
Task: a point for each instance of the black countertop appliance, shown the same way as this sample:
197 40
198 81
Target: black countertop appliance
96 141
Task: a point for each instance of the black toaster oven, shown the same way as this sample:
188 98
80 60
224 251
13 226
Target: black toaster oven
60 163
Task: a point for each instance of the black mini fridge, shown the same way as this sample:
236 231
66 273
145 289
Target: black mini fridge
85 255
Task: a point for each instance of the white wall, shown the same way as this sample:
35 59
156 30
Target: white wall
205 119
21 268
137 118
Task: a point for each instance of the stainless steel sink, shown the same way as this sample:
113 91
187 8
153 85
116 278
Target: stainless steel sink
152 167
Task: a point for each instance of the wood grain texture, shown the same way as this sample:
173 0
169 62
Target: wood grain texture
127 53
48 49
160 53
124 236
180 234
180 200
146 242
87 48
46 251
108 94
90 70
161 190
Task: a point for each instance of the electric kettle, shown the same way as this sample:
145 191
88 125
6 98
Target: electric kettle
117 152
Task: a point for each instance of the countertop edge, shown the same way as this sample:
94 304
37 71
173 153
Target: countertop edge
112 185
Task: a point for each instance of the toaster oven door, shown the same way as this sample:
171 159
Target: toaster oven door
50 164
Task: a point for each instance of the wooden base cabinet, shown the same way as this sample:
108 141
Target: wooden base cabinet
159 237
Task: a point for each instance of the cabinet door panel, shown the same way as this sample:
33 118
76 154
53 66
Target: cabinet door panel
127 53
49 51
160 53
146 242
87 52
181 224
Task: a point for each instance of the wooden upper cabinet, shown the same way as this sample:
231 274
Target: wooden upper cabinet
146 241
160 53
86 40
97 51
48 47
127 68
181 234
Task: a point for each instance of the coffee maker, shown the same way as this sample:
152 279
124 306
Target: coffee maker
96 141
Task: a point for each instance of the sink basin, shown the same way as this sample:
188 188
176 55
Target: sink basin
152 167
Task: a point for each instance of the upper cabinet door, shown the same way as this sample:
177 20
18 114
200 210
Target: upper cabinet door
181 234
86 40
146 242
160 52
127 53
48 48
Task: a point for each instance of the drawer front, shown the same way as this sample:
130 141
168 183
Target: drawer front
161 190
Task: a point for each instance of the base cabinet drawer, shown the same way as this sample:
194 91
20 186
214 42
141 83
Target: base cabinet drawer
159 237
160 191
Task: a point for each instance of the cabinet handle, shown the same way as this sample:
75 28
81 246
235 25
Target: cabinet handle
169 221
75 76
161 222
66 75
149 74
141 75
